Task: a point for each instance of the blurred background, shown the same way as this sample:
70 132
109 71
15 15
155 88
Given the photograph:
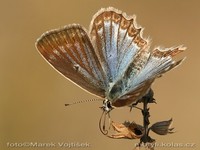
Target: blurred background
33 94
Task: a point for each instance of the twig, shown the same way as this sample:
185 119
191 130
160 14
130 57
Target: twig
148 98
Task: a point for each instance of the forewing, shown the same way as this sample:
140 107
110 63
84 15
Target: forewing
71 53
117 40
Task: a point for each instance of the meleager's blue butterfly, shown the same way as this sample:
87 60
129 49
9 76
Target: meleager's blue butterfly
112 60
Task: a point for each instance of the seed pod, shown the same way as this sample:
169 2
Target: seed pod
162 128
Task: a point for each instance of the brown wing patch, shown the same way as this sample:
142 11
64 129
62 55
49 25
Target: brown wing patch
71 53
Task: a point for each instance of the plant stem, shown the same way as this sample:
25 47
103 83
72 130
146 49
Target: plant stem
148 98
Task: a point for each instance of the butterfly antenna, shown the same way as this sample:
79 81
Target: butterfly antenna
83 101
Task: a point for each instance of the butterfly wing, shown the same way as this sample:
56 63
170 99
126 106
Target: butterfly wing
119 47
116 41
71 53
135 87
159 62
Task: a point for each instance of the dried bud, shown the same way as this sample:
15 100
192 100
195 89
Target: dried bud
162 128
127 130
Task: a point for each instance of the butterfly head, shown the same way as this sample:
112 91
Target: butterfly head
107 105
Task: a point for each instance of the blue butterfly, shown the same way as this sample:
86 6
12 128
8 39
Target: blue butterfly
112 60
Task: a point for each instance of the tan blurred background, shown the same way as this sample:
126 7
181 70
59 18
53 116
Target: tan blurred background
32 94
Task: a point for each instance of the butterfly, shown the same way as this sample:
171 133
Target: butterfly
112 60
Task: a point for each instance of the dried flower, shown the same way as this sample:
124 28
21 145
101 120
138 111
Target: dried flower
127 130
162 128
